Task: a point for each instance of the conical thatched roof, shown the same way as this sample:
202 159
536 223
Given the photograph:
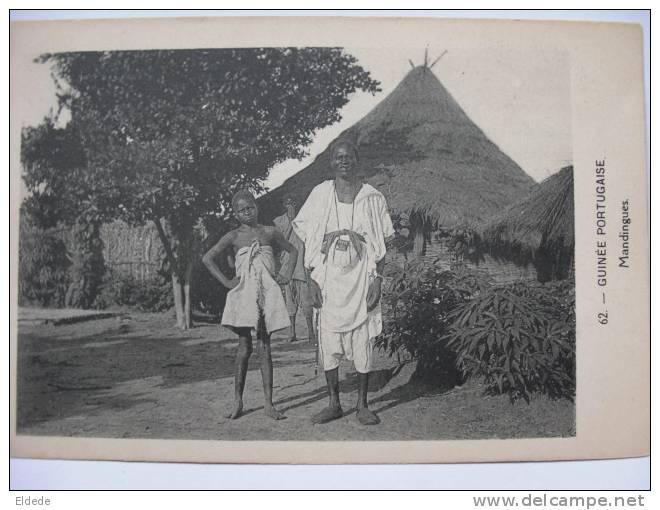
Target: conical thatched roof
422 151
539 228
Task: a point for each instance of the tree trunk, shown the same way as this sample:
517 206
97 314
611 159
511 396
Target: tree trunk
177 288
180 279
181 286
187 304
187 307
419 246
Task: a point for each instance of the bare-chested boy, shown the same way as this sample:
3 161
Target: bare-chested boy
255 300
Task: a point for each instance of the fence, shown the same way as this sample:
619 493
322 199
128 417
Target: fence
127 251
132 251
139 270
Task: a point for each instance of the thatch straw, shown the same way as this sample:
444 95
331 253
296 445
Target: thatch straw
422 151
538 229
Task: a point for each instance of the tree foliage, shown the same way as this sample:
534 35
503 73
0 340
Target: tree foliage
62 193
172 134
168 136
43 271
55 174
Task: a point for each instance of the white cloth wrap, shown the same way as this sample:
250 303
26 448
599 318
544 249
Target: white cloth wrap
256 293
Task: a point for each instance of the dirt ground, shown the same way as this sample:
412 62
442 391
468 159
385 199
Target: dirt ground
137 376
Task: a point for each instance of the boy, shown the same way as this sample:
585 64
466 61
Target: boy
255 300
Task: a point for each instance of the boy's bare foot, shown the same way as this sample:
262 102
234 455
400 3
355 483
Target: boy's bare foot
236 412
367 417
328 414
273 413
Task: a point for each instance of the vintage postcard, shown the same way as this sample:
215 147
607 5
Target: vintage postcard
329 240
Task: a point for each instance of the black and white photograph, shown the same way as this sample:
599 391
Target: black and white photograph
299 243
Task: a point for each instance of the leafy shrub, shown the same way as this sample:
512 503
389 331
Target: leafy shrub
461 242
418 304
519 338
87 264
60 265
43 268
154 295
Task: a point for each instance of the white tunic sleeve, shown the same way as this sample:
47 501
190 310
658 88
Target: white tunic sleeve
309 225
380 224
304 225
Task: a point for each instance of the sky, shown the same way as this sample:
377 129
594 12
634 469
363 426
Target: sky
520 99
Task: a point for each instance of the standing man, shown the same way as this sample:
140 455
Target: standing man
344 225
296 292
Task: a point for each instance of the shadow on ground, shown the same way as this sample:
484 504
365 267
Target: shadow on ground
141 377
71 370
378 379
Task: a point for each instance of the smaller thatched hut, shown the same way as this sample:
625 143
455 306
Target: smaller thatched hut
539 229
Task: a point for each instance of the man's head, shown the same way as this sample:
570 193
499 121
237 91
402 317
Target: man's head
245 207
344 158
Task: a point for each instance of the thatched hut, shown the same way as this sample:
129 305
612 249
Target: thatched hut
421 150
539 229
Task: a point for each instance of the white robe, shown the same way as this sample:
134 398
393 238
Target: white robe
343 278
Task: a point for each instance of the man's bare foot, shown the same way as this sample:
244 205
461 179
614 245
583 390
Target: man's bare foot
273 413
293 339
367 417
328 414
236 412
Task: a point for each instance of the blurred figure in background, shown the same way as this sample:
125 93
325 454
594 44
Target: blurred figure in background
296 292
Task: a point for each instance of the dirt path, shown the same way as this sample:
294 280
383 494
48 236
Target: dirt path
138 376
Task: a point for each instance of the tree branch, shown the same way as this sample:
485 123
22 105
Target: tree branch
166 243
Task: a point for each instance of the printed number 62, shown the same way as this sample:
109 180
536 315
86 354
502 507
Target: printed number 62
602 318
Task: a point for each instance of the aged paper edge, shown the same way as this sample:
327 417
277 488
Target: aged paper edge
613 374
